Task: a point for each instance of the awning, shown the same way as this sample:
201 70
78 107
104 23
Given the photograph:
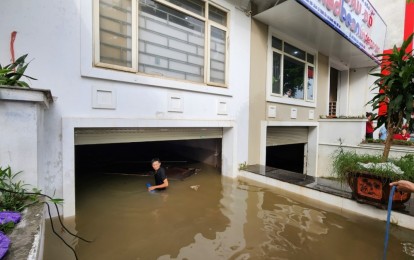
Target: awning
297 21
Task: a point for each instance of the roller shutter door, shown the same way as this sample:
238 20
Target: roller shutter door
129 135
279 135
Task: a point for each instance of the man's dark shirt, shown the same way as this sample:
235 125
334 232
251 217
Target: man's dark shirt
160 176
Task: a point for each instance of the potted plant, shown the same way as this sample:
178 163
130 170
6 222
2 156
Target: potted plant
369 176
11 74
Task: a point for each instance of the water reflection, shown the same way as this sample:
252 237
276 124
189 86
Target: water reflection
225 243
222 219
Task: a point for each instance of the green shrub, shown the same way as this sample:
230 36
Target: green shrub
346 162
17 198
11 74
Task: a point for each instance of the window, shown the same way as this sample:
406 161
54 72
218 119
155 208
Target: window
180 39
292 70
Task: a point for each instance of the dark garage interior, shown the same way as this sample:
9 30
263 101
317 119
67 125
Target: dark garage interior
135 158
287 157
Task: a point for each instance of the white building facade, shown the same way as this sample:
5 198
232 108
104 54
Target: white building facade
311 60
125 71
131 71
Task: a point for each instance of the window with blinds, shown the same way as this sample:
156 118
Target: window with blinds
184 39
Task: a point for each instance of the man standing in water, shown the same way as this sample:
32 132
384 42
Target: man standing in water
161 181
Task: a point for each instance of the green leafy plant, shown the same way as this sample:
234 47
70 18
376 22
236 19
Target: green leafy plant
395 85
16 198
242 166
7 227
11 74
349 162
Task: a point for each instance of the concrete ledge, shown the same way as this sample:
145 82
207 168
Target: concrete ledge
42 96
28 235
399 219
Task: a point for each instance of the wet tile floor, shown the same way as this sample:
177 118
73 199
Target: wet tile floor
320 184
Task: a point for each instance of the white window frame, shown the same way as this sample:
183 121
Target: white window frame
279 98
210 24
134 20
134 35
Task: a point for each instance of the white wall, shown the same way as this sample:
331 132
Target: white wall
393 13
57 36
350 131
20 122
332 134
360 91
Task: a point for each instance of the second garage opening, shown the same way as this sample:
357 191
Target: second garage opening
286 148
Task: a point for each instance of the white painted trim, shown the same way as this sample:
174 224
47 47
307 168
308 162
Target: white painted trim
289 123
402 220
40 96
226 55
68 145
263 138
90 52
285 37
313 155
313 139
229 165
134 35
376 147
95 97
290 101
68 167
183 10
306 158
272 97
335 120
342 145
95 32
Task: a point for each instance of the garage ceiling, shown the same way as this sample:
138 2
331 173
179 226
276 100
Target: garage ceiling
145 134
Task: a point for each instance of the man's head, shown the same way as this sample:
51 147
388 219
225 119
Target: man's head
156 163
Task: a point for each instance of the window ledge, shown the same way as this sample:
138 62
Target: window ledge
150 80
291 101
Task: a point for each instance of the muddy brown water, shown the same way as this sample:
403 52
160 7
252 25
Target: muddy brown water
208 216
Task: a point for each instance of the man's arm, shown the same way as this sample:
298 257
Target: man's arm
163 185
403 185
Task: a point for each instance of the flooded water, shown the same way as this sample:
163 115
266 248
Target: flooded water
221 218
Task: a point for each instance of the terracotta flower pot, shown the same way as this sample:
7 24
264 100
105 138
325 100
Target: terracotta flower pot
375 190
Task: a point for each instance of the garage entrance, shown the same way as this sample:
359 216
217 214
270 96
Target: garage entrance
286 148
129 151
